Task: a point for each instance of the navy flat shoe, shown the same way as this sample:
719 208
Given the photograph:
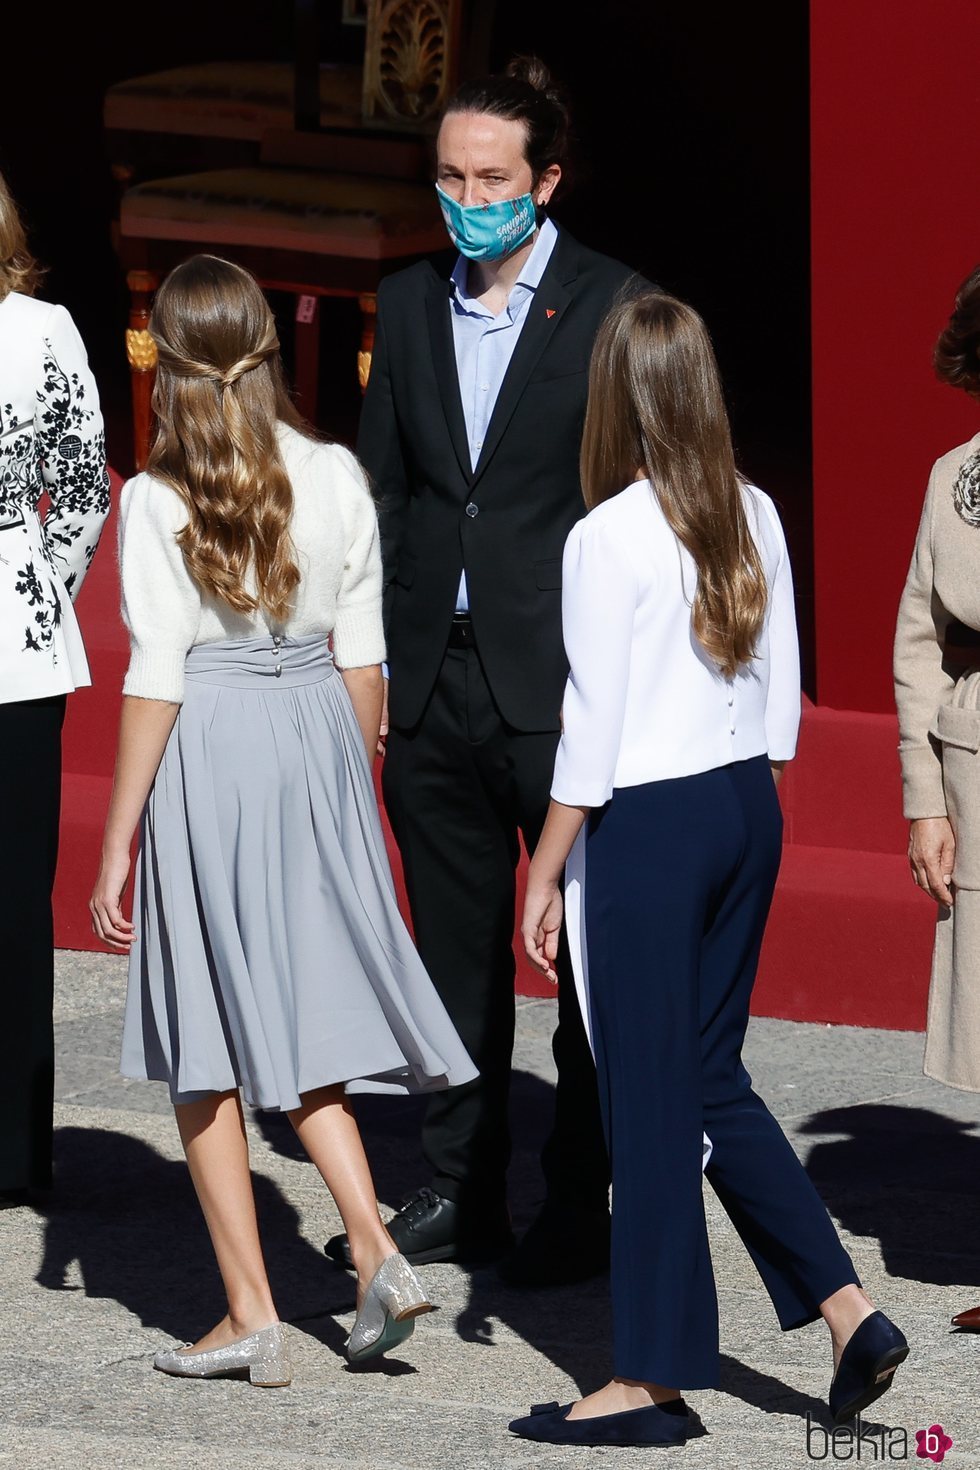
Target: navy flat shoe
867 1366
668 1424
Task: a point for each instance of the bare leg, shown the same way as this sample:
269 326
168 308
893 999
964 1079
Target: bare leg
620 1395
843 1313
213 1134
328 1131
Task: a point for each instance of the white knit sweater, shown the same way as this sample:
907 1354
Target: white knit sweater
335 534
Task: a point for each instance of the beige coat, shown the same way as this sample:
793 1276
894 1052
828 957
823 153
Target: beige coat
938 702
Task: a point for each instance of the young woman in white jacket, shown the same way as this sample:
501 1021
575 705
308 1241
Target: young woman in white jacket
682 705
51 442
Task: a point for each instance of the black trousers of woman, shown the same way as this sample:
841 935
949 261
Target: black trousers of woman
30 807
679 878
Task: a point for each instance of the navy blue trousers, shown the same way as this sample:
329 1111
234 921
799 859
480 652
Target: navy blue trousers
679 880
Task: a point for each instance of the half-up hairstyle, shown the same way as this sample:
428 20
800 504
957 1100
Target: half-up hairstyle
656 408
219 397
526 94
19 271
957 355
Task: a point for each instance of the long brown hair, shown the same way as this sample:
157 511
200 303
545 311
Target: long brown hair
219 397
19 271
656 408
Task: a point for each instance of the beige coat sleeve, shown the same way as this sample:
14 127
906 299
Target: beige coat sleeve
921 682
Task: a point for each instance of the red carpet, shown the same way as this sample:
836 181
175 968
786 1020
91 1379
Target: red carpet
850 936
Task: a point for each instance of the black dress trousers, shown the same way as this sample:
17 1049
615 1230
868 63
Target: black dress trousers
679 878
459 788
30 804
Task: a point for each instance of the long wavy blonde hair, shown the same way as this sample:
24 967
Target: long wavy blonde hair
19 271
656 409
219 397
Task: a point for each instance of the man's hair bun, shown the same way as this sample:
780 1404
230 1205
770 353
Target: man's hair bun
530 69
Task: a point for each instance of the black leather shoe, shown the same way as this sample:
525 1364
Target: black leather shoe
564 1244
867 1366
658 1424
429 1228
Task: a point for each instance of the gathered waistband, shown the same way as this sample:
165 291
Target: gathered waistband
272 661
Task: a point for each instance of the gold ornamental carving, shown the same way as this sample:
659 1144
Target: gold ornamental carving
410 60
141 350
363 369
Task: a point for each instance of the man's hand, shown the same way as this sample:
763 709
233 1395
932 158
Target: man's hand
932 848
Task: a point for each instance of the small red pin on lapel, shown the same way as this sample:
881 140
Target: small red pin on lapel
549 312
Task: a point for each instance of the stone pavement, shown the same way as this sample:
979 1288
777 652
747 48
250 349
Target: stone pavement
119 1264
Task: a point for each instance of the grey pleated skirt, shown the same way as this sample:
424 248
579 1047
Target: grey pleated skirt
270 953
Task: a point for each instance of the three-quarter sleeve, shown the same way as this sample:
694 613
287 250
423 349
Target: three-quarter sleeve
161 603
783 698
71 451
358 631
599 596
921 682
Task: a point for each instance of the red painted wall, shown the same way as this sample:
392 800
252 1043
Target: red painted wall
895 193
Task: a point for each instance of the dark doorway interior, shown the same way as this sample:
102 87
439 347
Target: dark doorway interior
693 125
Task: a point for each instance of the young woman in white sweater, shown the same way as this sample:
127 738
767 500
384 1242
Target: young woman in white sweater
267 952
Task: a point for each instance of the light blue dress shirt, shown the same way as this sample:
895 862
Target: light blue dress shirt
485 345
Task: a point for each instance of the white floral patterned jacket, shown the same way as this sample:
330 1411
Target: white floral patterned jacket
51 439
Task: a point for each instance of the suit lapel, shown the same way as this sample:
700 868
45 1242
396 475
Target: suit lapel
447 376
548 306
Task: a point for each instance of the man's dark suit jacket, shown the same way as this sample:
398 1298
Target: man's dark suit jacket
506 522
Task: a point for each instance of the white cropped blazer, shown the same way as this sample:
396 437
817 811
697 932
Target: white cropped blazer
644 702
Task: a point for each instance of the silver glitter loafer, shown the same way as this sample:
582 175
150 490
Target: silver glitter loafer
394 1298
262 1358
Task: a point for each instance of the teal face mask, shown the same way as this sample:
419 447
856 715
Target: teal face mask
489 231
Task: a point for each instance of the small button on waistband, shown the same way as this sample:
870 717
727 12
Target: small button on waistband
278 670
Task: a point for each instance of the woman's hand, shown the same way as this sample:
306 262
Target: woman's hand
145 726
932 848
105 905
541 924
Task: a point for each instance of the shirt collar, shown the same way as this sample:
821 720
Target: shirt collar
530 277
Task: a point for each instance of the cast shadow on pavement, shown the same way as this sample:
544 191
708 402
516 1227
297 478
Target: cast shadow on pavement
571 1325
124 1224
568 1325
908 1177
391 1127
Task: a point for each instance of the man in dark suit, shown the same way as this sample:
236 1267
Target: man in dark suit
470 431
